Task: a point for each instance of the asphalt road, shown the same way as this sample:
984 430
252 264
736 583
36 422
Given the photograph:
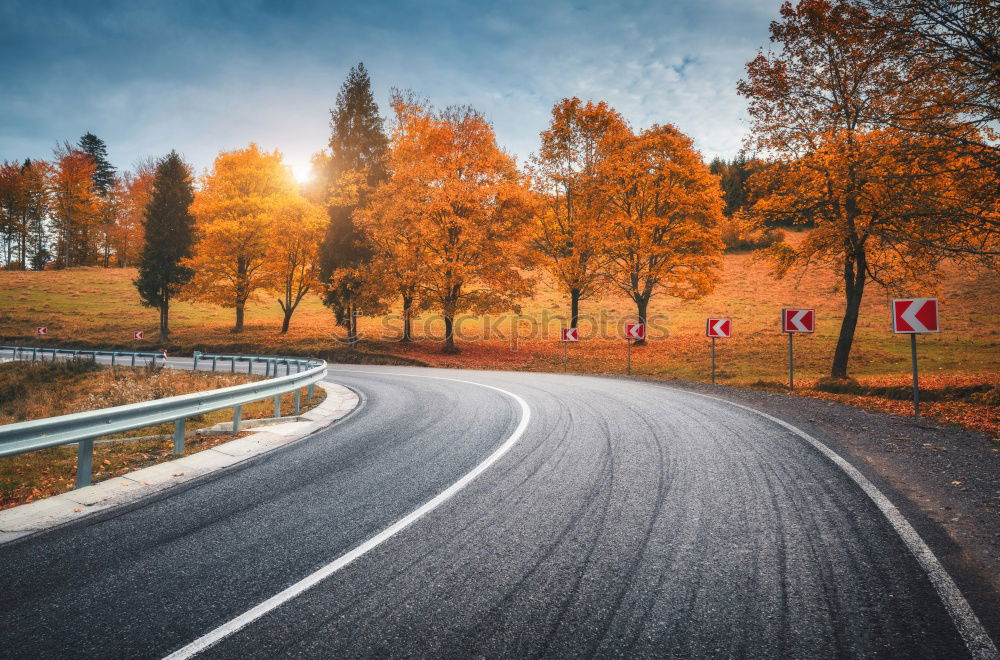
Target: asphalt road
627 520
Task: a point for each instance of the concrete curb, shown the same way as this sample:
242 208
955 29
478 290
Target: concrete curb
66 507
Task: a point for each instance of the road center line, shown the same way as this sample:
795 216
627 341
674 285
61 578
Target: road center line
977 640
311 580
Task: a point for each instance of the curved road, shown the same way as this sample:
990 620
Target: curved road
627 519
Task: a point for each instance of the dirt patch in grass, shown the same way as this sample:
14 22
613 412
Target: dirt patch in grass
36 390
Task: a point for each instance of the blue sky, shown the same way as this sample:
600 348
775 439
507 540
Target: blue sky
201 77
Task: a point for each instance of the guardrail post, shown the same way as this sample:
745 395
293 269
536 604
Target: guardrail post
179 435
84 462
311 391
288 367
215 359
133 358
113 356
277 406
197 354
297 401
232 369
267 368
249 365
34 353
237 413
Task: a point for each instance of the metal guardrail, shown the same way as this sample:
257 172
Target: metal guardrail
83 428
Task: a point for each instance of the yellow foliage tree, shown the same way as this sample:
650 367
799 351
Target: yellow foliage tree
294 253
666 216
237 211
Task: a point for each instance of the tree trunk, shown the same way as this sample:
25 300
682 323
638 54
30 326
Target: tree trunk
449 335
164 321
641 304
574 307
854 288
407 311
352 325
286 320
241 291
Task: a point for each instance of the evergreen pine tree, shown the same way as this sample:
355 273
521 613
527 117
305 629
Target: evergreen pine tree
104 174
357 143
168 239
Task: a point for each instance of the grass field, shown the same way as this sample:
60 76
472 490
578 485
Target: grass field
44 389
98 307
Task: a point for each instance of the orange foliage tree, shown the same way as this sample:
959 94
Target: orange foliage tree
570 232
887 203
128 231
665 216
235 210
75 211
294 254
458 204
391 224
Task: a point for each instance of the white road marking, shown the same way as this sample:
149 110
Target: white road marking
230 627
976 638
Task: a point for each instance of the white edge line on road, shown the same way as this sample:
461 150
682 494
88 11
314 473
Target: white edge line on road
977 640
311 580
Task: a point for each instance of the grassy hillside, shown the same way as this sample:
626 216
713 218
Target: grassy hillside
100 307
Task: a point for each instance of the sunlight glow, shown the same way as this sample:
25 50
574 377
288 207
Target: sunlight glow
302 172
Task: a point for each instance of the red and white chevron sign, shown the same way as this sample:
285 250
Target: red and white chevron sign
719 328
798 320
41 331
137 334
635 331
915 315
570 334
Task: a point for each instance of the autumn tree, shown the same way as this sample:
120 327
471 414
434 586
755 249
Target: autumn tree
952 55
294 254
887 203
169 235
35 178
354 167
666 208
391 224
570 229
461 200
109 192
75 209
236 229
13 227
127 238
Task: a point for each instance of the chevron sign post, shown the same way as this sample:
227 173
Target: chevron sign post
798 320
636 331
792 321
915 316
568 335
717 328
